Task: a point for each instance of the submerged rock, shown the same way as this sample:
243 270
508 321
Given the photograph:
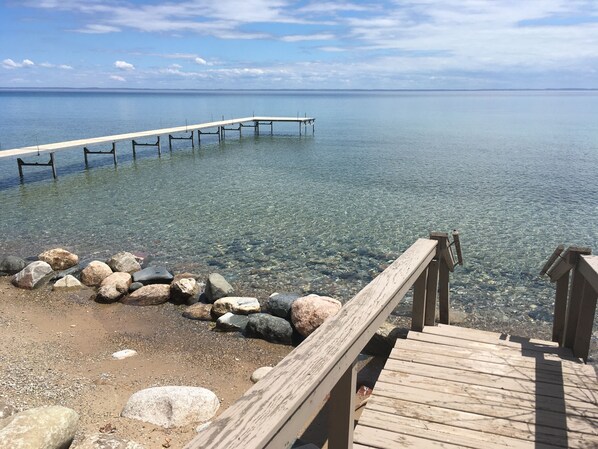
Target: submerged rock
172 406
32 275
59 258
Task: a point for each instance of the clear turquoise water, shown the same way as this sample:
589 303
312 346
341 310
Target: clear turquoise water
515 172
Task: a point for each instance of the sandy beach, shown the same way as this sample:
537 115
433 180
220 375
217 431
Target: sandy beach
57 350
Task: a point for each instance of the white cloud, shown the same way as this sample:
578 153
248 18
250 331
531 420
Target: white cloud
123 65
10 64
96 28
201 61
308 37
49 65
117 78
175 66
65 67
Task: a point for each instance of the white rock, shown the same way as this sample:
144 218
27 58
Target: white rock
203 426
257 375
67 282
172 406
237 305
125 353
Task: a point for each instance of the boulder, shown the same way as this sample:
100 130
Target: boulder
153 275
148 295
199 311
59 258
113 287
51 427
32 275
217 287
236 305
257 375
270 328
135 286
12 265
172 406
68 282
106 441
184 290
231 322
125 262
309 312
279 304
94 273
383 340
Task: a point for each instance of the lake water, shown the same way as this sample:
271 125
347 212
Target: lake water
515 172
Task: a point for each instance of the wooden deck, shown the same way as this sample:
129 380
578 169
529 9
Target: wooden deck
448 387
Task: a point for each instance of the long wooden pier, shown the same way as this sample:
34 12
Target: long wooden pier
442 387
218 128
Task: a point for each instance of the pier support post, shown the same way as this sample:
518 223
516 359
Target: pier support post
171 138
50 163
87 151
137 144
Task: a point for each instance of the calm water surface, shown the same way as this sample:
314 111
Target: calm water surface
515 172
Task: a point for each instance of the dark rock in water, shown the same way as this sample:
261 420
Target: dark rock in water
279 304
232 322
135 286
12 265
540 314
153 275
270 328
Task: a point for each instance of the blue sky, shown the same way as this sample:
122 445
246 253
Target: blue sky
207 44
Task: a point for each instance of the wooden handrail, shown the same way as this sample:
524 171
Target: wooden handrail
575 302
272 412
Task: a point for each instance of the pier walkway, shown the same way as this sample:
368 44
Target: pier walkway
218 128
443 386
450 387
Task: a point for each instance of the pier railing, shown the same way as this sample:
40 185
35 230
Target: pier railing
575 272
273 412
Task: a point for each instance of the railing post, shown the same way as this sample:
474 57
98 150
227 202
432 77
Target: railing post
438 282
340 411
419 302
587 310
575 297
560 309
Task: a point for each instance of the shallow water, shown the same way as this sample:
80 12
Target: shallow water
515 172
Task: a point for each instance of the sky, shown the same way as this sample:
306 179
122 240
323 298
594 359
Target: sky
283 44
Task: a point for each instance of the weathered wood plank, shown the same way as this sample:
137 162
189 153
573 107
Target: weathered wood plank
560 308
484 394
431 293
440 432
272 412
419 302
556 253
549 418
497 369
548 362
488 336
483 423
585 323
384 439
588 267
490 380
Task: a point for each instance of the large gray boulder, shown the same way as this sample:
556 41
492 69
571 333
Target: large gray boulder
59 258
148 295
106 441
12 265
235 304
32 275
125 262
270 328
51 427
153 275
94 273
279 304
309 312
217 287
172 406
